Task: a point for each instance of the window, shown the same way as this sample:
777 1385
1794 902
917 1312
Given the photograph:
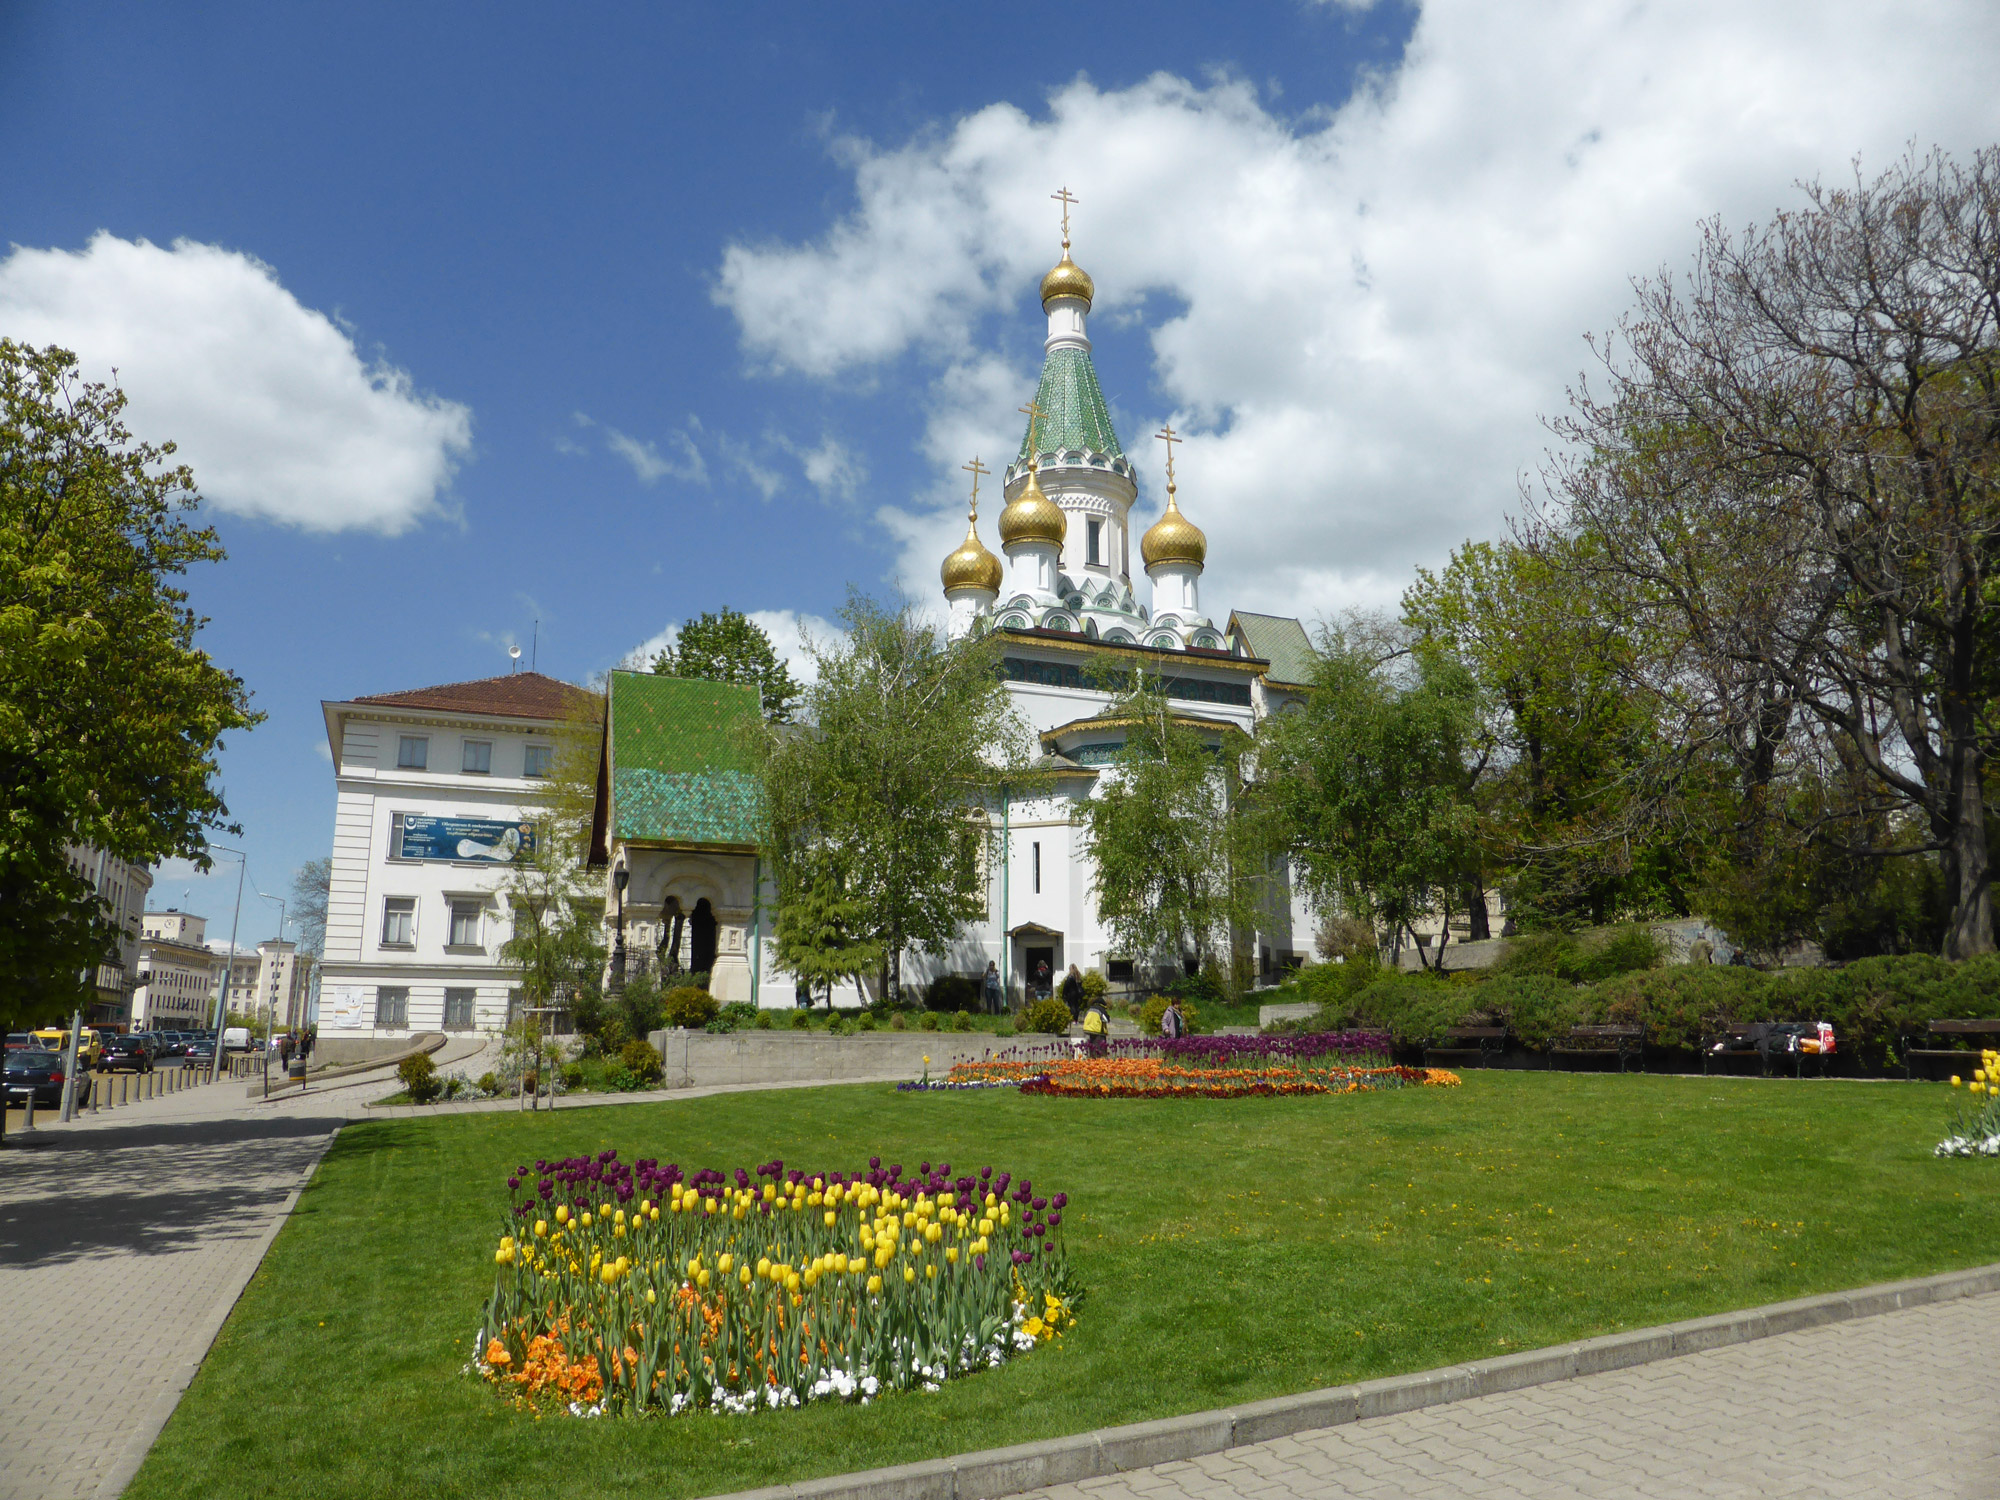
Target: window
465 924
1118 970
458 1009
413 752
535 761
478 757
1038 868
392 1009
399 922
1096 533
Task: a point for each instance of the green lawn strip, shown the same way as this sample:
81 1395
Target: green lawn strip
1234 1250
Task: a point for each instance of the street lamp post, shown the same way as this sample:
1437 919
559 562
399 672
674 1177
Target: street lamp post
229 964
620 878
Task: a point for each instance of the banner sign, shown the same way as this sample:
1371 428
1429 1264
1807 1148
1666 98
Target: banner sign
460 840
343 1006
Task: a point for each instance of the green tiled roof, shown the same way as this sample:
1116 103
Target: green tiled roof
1073 410
679 771
1281 641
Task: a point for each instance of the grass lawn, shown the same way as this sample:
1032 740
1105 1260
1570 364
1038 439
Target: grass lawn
1233 1250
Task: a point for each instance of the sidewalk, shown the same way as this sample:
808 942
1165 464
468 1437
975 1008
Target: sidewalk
125 1239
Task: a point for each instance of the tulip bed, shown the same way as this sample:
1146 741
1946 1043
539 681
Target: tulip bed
1976 1131
1203 1067
640 1289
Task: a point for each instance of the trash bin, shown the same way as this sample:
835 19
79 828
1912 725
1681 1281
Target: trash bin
296 1071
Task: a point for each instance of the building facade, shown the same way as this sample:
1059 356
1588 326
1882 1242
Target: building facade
434 789
122 888
283 983
1073 628
177 973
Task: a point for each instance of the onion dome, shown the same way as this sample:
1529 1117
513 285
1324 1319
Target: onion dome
1032 517
1068 279
1173 538
971 566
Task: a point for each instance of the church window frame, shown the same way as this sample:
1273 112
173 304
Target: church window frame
1094 543
1036 862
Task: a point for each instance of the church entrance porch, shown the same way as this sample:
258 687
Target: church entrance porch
1038 959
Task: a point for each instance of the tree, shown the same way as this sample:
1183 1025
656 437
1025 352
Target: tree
111 717
868 802
822 934
731 647
1792 480
310 889
1167 832
556 939
1366 785
1573 824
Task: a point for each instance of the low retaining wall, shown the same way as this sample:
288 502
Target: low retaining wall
697 1059
341 1052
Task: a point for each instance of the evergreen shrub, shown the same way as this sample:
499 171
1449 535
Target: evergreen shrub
952 992
642 1062
419 1075
689 1007
928 1021
1050 1017
962 1022
765 1021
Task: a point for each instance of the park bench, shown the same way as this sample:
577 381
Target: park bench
1478 1046
1960 1059
1626 1043
1759 1040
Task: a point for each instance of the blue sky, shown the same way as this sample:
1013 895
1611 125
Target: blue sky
605 316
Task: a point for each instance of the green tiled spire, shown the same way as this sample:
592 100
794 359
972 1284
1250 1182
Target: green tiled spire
1072 402
680 772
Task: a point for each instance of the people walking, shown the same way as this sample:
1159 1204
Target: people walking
1096 1028
1172 1022
990 992
1072 993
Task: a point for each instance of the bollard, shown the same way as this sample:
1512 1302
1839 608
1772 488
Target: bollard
123 1081
93 1099
28 1116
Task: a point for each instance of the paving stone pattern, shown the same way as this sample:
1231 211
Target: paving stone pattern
1901 1406
125 1238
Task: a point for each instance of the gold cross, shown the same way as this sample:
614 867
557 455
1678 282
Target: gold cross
1168 436
975 469
1065 198
1033 413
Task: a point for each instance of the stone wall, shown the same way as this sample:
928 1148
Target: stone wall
695 1059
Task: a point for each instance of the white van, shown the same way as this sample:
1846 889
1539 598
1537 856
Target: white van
236 1039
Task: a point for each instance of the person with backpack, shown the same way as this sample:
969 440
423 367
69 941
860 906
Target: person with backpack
1096 1026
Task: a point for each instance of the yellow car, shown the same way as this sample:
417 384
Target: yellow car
89 1048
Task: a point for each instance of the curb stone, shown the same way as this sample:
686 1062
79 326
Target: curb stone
997 1472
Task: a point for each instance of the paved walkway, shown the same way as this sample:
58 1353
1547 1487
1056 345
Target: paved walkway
1902 1406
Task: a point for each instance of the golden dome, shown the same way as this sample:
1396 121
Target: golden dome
1032 517
1173 538
971 566
1068 279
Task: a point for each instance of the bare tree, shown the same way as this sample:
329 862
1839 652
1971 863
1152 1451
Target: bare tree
1791 481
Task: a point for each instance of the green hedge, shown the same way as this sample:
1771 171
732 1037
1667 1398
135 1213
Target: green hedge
1870 1003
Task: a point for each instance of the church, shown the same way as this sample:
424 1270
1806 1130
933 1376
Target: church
685 891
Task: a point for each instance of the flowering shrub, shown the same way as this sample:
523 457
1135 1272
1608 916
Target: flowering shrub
640 1288
1976 1131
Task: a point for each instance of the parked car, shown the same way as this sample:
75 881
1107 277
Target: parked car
201 1050
126 1053
21 1041
236 1039
40 1074
56 1039
169 1044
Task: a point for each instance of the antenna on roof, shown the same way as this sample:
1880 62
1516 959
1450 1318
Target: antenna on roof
535 653
514 653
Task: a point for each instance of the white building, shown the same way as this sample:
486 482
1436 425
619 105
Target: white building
284 976
434 788
243 966
1073 623
177 973
121 888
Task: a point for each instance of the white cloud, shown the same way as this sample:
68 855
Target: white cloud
830 467
651 466
1369 308
270 403
788 629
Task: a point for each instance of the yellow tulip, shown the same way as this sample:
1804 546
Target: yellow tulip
619 1217
792 1282
726 1264
651 1296
952 1255
541 1229
931 1271
586 1220
829 1218
702 1280
932 1234
1954 1080
763 1265
562 1214
909 1274
654 1215
1979 1075
874 1284
744 1276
